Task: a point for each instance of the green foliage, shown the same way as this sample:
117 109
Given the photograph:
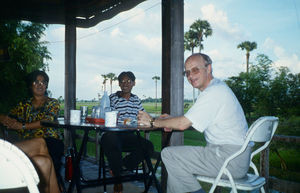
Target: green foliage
26 53
267 91
194 37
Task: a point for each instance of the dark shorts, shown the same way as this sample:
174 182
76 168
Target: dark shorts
56 151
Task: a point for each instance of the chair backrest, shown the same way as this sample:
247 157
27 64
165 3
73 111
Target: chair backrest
16 170
265 128
262 130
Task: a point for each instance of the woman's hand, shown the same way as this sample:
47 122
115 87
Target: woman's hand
12 123
144 118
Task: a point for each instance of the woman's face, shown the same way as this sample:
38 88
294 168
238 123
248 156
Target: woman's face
39 86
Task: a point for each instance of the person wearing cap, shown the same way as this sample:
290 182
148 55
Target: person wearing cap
128 105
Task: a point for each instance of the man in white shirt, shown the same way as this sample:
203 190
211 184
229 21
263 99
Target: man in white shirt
219 115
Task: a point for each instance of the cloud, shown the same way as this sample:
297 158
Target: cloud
56 33
116 32
220 23
290 60
150 43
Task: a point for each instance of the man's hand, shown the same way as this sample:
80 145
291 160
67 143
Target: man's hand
164 116
144 118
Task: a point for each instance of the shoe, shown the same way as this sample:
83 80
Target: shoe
118 188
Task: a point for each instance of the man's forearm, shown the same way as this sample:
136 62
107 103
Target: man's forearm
176 123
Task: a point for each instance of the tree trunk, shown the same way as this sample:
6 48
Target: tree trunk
155 96
247 62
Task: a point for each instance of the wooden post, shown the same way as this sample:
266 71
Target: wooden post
70 73
172 68
264 167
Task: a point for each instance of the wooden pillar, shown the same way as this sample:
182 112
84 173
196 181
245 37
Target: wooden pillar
172 67
264 166
70 73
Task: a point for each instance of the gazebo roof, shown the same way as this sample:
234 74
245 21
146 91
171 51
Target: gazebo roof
87 13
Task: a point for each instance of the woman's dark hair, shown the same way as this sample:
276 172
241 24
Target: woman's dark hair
129 74
32 77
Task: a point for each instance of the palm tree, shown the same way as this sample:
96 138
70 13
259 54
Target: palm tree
105 78
201 28
190 41
112 77
155 78
248 46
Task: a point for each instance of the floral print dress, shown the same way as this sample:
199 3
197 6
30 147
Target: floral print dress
26 113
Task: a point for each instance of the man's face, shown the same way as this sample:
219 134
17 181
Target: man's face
126 84
197 72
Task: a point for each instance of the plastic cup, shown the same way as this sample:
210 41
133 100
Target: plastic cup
75 116
111 118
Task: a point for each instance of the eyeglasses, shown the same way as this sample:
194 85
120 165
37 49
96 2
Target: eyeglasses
38 82
126 81
194 70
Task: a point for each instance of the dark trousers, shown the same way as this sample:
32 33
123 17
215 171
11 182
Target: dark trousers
56 151
114 144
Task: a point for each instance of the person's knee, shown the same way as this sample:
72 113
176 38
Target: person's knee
43 163
42 145
165 154
108 137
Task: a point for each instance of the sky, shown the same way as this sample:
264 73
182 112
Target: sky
131 41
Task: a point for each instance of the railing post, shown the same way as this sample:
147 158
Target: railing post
264 166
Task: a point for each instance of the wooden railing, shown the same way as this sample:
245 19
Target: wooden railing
272 182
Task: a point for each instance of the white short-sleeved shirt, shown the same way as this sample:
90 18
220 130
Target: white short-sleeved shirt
218 114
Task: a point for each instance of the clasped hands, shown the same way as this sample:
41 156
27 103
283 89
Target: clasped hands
145 119
11 123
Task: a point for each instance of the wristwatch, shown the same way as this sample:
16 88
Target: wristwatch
152 122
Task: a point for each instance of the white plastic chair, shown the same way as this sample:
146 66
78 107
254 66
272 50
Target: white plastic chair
16 170
262 130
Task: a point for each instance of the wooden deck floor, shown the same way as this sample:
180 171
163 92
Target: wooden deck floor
90 169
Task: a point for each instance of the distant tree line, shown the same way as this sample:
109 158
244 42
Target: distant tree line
159 100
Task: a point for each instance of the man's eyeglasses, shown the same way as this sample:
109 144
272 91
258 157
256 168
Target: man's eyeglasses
194 70
38 82
126 81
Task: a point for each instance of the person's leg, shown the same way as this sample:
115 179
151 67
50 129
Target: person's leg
33 147
46 173
36 150
43 167
131 143
112 147
182 162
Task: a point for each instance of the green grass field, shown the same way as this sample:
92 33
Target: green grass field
289 152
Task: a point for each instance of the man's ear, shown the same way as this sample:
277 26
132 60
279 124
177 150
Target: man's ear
133 83
209 69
